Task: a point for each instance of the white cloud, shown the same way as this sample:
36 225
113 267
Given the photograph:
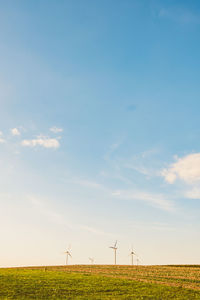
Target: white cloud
194 193
1 133
56 129
156 200
2 141
43 142
187 169
15 131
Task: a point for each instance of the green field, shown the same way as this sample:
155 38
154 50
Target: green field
101 282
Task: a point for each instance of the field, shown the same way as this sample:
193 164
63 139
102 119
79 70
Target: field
101 282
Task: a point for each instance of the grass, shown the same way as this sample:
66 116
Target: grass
101 282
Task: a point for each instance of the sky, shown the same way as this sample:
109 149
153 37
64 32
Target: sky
99 131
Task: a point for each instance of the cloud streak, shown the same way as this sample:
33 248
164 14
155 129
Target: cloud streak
159 201
152 226
42 142
56 129
156 200
88 183
59 219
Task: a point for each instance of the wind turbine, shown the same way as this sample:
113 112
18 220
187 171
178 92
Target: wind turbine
67 252
138 261
91 260
132 253
115 251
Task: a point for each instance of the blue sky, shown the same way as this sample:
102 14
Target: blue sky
99 131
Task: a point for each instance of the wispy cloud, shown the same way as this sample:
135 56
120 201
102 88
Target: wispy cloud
41 206
152 226
116 175
15 131
153 199
94 230
114 163
41 141
156 200
145 163
112 148
88 183
55 129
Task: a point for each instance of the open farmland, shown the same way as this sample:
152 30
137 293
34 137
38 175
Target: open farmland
101 282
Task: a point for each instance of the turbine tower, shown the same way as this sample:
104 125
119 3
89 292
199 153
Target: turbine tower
132 253
67 252
91 260
115 252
